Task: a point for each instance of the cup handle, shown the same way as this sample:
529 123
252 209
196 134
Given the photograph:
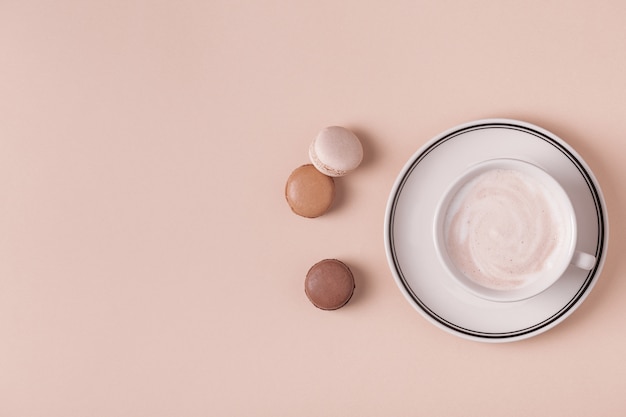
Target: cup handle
583 260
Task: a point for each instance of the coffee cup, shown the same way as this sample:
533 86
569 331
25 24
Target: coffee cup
505 230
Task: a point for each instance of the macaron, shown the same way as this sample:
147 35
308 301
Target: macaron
309 193
335 151
329 284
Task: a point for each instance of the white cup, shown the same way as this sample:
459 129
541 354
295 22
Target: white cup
506 230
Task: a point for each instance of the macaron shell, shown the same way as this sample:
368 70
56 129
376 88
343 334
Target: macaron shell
336 151
329 284
309 193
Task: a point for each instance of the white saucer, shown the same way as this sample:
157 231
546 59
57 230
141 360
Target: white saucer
409 223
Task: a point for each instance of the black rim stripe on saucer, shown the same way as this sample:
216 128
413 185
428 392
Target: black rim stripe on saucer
599 216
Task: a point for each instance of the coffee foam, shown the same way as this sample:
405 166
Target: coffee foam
502 228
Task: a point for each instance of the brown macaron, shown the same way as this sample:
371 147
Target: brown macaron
309 192
329 284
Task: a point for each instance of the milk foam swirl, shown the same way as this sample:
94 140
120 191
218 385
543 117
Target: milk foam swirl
501 229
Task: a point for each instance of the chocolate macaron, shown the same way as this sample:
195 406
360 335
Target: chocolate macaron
329 284
309 192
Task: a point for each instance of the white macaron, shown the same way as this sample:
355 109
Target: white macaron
336 151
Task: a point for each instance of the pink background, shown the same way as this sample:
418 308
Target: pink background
150 266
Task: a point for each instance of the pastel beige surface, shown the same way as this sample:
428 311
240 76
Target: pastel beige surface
150 266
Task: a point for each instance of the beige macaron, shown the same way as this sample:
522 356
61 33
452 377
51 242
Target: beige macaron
309 192
336 151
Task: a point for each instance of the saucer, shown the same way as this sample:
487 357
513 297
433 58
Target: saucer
411 249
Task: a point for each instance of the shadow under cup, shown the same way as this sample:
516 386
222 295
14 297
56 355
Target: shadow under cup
505 230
